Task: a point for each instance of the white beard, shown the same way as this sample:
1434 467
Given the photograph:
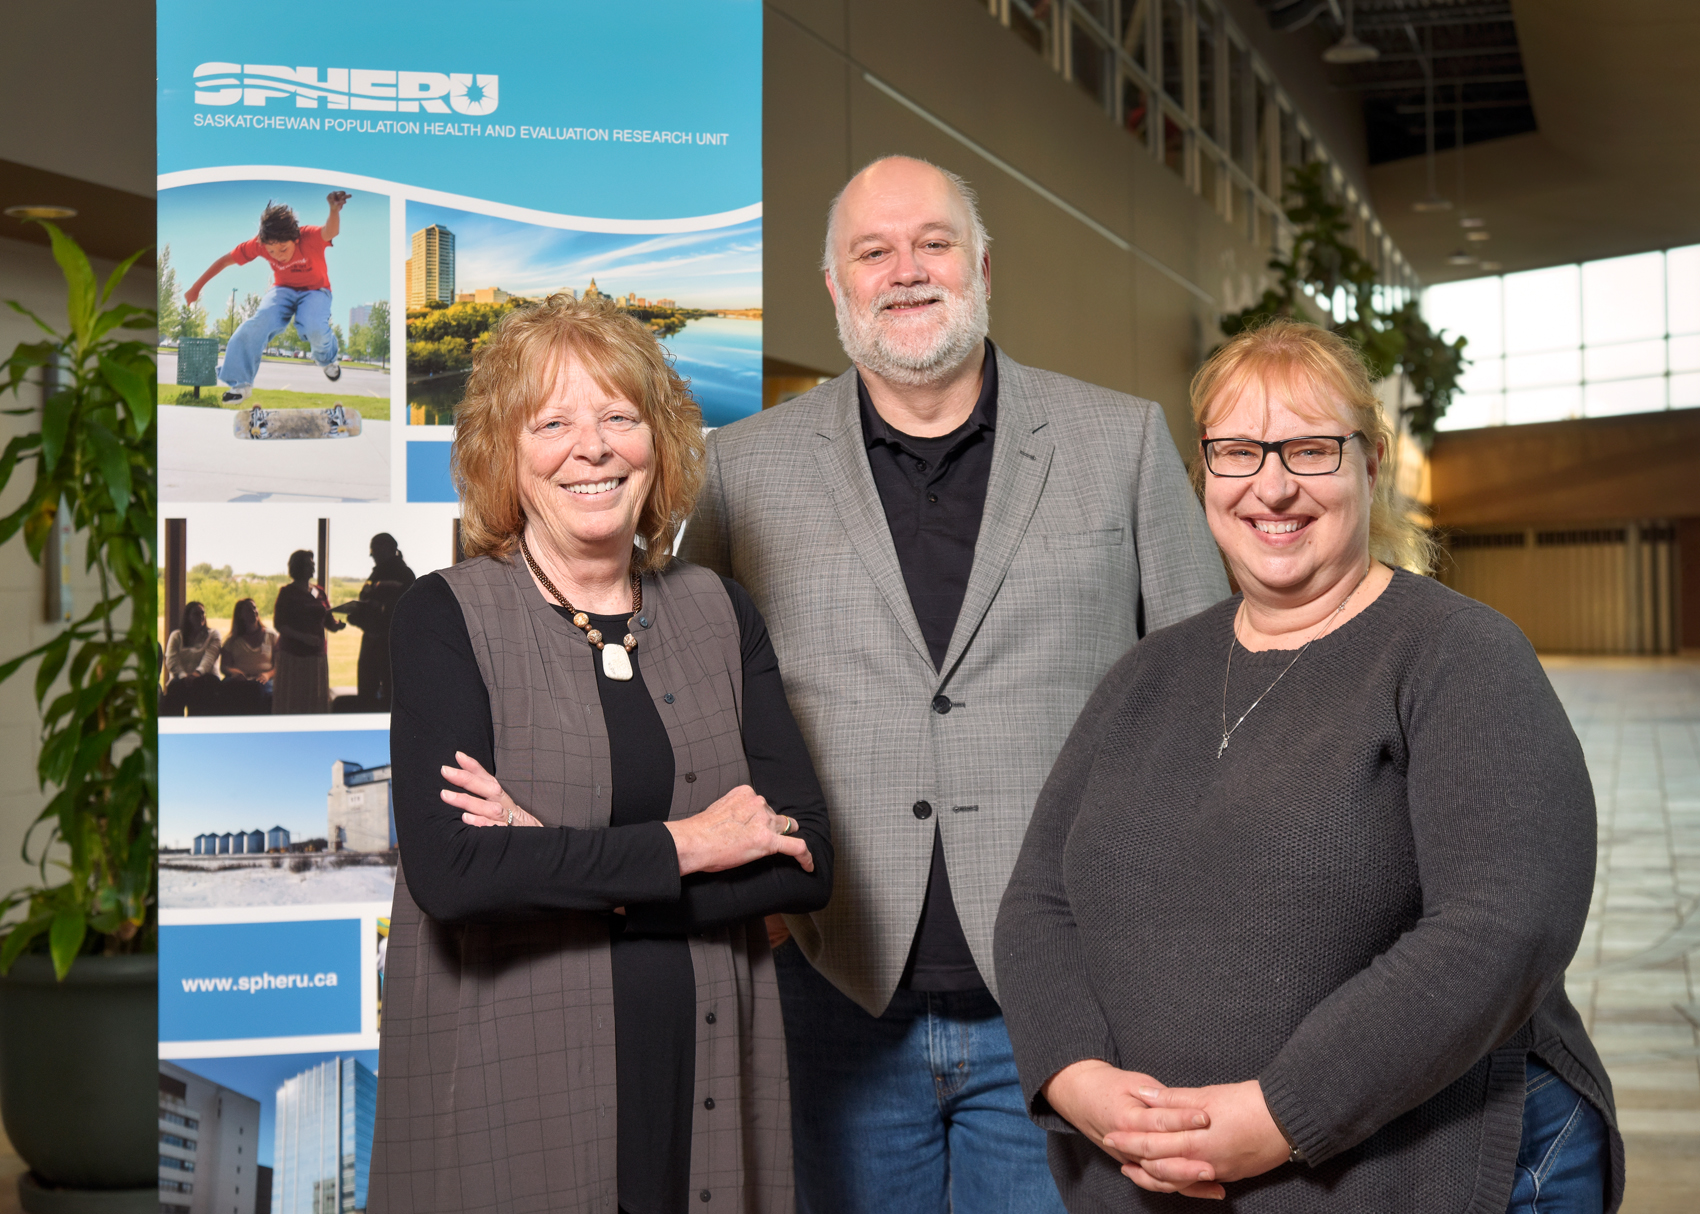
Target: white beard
909 353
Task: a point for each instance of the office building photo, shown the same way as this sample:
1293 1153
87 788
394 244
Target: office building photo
322 1158
208 1148
431 267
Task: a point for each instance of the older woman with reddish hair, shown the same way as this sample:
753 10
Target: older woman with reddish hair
599 793
1291 919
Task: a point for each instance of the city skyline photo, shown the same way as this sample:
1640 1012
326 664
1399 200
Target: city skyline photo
716 269
698 292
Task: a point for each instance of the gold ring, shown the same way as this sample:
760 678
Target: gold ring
790 825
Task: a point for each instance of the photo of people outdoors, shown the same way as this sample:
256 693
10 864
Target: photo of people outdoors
274 321
699 292
292 617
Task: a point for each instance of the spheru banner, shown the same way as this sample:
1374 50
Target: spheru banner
347 206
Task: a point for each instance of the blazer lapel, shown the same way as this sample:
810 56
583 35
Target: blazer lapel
843 462
1021 459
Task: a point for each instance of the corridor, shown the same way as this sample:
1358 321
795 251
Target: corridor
1634 976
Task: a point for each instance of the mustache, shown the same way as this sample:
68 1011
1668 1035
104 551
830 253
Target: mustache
902 296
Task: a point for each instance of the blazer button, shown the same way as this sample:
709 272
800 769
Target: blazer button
643 621
922 810
709 1019
690 777
668 697
705 1195
709 1104
941 704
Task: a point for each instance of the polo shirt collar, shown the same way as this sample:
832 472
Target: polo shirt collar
983 417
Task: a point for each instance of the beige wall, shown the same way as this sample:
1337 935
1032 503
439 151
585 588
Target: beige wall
1594 469
1063 296
1579 590
29 275
80 89
1627 482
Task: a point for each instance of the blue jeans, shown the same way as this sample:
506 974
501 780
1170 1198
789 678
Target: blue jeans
1561 1164
918 1111
311 312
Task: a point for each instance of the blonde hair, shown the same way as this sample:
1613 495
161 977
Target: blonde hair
1309 366
512 376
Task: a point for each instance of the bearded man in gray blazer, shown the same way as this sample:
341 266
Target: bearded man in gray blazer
950 550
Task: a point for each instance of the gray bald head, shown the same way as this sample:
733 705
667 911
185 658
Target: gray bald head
977 238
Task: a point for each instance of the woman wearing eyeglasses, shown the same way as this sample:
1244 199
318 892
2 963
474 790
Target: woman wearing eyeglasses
1291 919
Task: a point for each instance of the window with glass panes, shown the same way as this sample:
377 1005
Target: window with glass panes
1619 335
1179 77
1091 61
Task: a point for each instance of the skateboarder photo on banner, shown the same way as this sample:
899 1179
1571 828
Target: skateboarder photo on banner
300 291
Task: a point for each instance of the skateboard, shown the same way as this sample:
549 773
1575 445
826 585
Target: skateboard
334 422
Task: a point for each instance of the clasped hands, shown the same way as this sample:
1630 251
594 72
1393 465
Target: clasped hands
738 828
1169 1140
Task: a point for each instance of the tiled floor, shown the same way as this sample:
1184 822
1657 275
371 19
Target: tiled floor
1636 977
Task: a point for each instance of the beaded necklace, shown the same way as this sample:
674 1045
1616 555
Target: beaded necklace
615 662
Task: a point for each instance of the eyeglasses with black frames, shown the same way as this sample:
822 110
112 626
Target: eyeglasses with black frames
1311 455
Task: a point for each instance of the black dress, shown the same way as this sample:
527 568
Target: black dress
302 682
654 982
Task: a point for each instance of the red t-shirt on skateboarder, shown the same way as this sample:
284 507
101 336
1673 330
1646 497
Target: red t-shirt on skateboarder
306 271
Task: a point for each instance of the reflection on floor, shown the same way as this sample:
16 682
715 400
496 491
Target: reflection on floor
1635 975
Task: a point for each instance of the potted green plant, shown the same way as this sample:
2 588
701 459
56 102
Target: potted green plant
78 1002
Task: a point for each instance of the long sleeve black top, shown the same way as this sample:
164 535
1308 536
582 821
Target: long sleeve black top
464 873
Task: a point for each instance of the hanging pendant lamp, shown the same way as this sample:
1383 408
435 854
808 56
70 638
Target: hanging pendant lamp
1433 201
1349 49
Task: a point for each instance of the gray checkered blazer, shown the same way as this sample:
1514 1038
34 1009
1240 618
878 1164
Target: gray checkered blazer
1089 524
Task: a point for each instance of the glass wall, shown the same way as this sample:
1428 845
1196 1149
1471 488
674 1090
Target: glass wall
1597 339
1181 79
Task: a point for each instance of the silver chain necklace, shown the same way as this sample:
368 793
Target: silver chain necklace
1227 732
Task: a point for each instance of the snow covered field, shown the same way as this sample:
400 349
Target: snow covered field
181 888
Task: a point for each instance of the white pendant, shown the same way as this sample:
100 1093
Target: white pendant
616 663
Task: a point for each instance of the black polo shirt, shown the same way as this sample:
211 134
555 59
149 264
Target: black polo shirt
934 493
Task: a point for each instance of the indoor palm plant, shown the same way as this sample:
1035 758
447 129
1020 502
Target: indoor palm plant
77 1005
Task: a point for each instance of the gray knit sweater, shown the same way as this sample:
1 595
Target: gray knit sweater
1367 903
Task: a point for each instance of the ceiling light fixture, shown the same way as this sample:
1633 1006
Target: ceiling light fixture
1477 234
1349 49
1460 257
1491 267
1432 201
41 211
1472 221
